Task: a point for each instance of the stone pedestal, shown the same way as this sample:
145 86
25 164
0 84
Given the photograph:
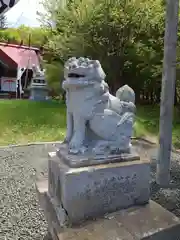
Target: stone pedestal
39 88
39 93
147 222
83 199
88 192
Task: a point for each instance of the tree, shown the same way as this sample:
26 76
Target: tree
3 21
54 75
38 35
126 36
21 35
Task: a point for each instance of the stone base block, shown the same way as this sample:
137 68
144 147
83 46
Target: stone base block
89 192
148 222
89 159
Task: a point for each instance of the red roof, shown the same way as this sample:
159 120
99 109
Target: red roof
22 56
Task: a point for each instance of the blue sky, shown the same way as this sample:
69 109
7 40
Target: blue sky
24 12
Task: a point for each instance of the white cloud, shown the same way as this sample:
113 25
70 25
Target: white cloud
24 12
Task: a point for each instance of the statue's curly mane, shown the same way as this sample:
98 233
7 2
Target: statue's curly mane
82 72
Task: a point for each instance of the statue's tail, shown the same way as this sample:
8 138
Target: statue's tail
126 94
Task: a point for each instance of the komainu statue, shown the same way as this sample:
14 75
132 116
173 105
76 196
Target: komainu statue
97 121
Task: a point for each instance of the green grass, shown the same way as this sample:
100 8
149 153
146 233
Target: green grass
147 123
23 121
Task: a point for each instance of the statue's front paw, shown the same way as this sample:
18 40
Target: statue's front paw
76 146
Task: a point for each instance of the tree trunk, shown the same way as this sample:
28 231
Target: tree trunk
158 95
167 93
152 97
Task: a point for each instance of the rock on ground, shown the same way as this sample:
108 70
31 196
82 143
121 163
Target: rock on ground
20 215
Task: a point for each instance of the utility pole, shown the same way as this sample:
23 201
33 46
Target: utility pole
167 93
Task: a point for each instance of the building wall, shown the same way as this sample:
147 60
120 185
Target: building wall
6 60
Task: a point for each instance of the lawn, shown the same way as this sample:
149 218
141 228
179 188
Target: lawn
23 121
147 123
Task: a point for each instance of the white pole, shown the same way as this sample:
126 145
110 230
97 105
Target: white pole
168 91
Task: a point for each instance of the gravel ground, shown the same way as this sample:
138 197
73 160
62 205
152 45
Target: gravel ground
169 197
20 215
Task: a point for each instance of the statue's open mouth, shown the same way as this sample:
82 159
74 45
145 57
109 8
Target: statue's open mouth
75 75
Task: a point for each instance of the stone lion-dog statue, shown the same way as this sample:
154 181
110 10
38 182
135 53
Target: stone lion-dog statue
96 120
